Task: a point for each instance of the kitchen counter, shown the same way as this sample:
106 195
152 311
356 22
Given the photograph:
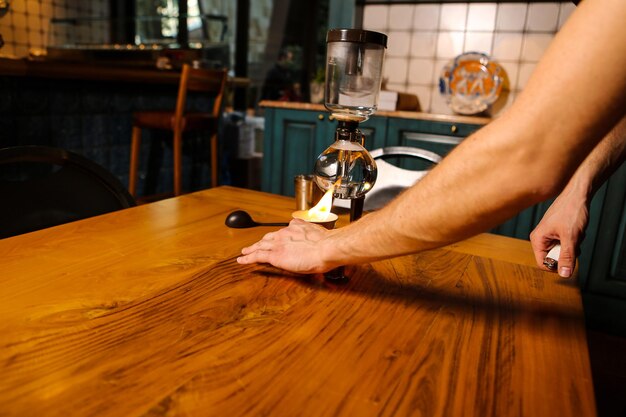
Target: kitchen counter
397 114
97 72
296 134
85 71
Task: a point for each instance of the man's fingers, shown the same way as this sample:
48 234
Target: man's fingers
262 251
254 257
541 246
567 260
261 245
540 254
269 236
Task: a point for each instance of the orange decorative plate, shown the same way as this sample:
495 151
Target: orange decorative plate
471 82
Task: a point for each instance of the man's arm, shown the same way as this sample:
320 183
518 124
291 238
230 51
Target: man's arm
527 155
566 219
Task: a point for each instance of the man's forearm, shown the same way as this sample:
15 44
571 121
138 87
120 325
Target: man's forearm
483 182
524 157
605 158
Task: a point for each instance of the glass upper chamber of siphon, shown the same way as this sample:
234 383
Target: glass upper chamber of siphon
354 63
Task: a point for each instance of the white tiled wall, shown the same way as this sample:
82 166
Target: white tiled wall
424 37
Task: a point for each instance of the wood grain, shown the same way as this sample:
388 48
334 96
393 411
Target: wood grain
145 312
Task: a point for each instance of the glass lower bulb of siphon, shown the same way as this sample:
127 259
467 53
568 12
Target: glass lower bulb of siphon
348 167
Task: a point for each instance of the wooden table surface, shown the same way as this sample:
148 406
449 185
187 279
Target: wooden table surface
145 312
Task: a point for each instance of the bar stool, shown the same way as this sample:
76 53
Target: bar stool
180 121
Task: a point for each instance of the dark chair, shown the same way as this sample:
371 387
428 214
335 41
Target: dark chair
392 180
179 121
42 187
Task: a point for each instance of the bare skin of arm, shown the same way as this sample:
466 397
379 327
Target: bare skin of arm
524 157
566 219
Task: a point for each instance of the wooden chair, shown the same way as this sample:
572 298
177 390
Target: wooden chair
180 121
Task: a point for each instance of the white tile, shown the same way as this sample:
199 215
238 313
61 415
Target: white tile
35 39
481 16
438 103
525 71
18 7
449 44
21 50
19 20
32 6
33 21
453 16
542 17
423 94
7 50
439 64
375 17
401 16
395 87
423 44
507 46
566 10
502 104
20 36
398 44
478 42
421 71
512 70
534 45
426 16
395 70
511 17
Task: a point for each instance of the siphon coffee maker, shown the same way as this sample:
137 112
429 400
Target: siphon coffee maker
354 64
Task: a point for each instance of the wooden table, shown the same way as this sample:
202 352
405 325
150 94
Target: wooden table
145 312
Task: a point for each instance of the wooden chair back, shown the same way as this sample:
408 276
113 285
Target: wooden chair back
210 81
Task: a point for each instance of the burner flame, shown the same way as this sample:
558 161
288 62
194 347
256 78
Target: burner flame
321 210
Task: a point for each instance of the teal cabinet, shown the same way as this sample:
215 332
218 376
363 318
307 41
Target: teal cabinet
375 132
438 137
609 261
603 258
441 138
298 137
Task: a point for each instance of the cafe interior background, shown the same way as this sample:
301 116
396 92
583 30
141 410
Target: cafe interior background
423 37
92 117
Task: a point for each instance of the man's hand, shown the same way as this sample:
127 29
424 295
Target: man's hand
564 222
567 217
295 248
